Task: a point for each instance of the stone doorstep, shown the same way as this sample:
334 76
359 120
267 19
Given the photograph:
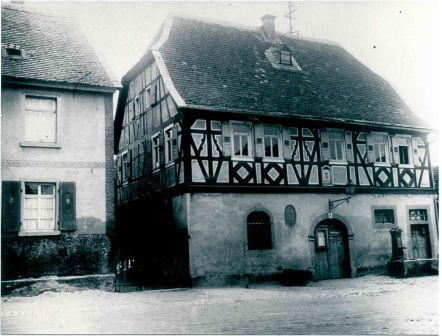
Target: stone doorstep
35 286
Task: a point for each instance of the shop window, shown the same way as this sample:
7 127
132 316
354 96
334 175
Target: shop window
259 234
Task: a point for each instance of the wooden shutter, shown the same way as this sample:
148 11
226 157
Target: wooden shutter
259 141
148 155
175 153
286 143
11 195
349 146
325 146
162 147
227 139
67 206
415 142
395 149
370 148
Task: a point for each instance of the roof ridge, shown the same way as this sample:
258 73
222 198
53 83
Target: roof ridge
251 28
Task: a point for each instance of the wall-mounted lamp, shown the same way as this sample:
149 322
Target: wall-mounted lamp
349 190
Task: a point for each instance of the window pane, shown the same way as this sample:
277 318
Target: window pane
275 148
47 189
245 145
418 215
403 155
236 144
31 188
267 146
321 238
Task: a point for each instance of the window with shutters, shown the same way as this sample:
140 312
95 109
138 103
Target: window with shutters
241 134
380 145
272 142
39 207
404 145
40 120
259 234
336 143
156 151
168 144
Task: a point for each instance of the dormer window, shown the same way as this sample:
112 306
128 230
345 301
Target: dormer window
286 57
14 50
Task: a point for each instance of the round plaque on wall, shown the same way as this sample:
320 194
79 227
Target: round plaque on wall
290 216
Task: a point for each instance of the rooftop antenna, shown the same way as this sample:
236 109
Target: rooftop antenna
291 16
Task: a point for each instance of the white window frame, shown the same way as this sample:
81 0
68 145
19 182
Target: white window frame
58 124
387 149
168 137
271 158
155 150
53 232
410 151
248 134
343 148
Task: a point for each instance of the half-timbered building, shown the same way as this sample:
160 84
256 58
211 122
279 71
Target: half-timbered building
233 142
57 149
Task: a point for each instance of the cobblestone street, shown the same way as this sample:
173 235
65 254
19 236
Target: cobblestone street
366 305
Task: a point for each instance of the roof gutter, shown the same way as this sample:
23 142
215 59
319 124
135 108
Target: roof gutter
59 85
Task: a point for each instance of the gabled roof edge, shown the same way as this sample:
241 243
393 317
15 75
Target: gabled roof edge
167 80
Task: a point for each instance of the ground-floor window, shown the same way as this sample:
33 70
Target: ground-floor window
39 207
259 233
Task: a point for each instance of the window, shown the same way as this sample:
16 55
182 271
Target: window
321 238
272 142
259 234
241 140
168 143
286 57
380 143
40 119
13 52
156 151
39 207
384 218
418 216
404 144
125 167
336 140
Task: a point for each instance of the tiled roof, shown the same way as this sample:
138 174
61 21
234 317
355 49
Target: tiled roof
222 67
54 50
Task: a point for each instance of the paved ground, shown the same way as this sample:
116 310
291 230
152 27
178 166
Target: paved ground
367 305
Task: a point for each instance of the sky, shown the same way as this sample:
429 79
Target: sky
395 39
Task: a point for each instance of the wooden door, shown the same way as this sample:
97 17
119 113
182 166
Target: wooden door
331 251
421 241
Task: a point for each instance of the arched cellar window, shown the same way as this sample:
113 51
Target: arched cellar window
259 233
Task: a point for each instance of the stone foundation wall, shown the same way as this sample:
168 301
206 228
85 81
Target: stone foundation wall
66 254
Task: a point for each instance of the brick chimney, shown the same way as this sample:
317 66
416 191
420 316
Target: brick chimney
268 25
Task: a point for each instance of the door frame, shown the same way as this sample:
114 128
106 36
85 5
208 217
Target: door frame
350 242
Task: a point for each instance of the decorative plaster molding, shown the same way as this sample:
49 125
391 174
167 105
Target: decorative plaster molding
53 164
